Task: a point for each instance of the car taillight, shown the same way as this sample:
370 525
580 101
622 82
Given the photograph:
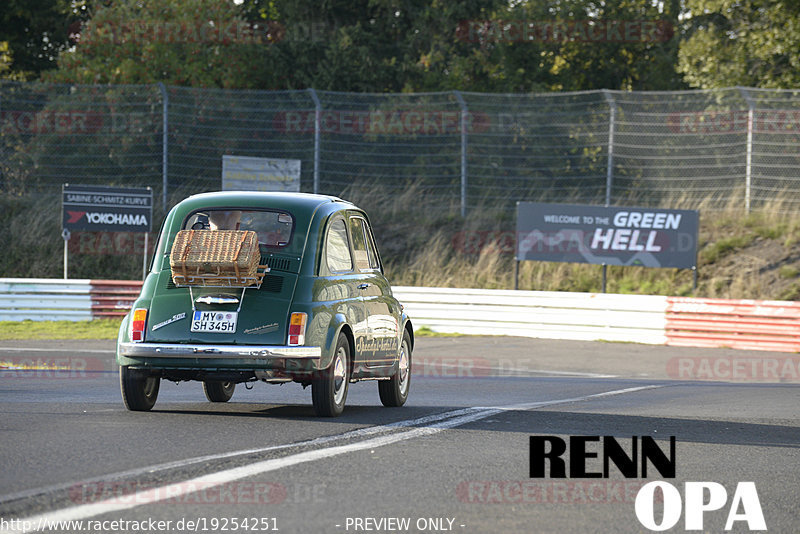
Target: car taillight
297 328
138 321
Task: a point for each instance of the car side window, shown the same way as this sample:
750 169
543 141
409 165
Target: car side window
374 262
363 246
337 249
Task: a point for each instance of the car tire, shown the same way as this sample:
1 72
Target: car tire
217 391
139 389
394 392
329 387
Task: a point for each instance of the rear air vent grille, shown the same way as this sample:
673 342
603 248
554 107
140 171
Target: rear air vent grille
278 264
272 283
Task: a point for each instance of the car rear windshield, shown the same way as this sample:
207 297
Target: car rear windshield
274 228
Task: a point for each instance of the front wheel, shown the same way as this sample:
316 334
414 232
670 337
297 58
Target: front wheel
329 387
394 391
139 390
217 391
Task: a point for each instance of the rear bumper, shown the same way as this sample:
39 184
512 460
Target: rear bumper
179 350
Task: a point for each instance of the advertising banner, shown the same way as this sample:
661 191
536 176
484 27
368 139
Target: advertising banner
95 208
648 237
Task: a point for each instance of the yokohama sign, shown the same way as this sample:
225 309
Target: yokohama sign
110 209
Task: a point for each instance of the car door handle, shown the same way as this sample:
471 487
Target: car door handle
363 286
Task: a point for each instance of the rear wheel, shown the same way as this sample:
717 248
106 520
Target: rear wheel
217 391
139 390
394 392
329 387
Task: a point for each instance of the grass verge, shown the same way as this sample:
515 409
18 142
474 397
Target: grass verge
424 331
96 329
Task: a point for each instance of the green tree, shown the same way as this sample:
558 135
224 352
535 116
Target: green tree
374 45
754 43
201 43
36 31
6 61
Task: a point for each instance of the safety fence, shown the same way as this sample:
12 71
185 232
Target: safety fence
676 321
44 299
719 148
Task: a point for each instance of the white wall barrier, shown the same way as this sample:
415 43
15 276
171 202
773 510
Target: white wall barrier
46 299
41 299
545 314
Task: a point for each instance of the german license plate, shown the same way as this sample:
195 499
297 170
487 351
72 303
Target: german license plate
215 322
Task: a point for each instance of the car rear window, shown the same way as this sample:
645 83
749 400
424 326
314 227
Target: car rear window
274 228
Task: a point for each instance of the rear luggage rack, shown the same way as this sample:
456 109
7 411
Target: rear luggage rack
219 280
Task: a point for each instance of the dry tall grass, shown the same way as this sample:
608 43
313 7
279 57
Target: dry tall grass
741 255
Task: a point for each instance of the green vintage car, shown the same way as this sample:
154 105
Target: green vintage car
320 313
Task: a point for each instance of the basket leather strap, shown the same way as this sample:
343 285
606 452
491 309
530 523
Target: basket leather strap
188 246
238 253
184 254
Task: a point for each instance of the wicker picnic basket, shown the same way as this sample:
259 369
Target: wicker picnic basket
227 258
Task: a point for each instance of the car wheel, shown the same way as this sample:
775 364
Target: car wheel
139 390
329 387
394 391
217 391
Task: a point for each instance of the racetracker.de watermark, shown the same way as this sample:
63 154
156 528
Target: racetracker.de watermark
231 493
736 368
565 31
110 243
548 492
133 492
446 367
52 368
220 32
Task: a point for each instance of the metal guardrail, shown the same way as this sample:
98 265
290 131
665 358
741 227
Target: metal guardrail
44 299
113 298
738 324
677 321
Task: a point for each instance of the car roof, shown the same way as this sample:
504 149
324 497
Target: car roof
255 199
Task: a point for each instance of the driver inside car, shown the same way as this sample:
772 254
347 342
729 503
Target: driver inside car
225 220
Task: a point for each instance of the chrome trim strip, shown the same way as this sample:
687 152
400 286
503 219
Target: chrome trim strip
178 350
217 299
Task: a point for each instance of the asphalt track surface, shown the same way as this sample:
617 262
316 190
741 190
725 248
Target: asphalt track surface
456 458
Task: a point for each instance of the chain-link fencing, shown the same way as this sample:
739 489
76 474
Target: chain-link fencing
735 147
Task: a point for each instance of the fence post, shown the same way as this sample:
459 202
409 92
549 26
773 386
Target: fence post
2 150
464 117
610 168
164 142
612 115
317 116
748 177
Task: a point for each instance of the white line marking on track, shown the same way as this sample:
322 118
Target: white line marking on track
544 372
432 424
540 404
511 372
113 477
